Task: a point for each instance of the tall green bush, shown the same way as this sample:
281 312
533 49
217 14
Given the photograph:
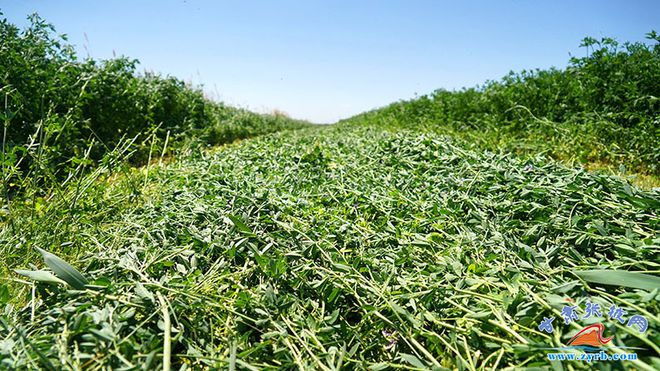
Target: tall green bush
60 111
604 107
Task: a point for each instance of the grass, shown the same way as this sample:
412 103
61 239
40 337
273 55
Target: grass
326 248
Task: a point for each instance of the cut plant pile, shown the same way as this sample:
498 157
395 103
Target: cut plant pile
346 246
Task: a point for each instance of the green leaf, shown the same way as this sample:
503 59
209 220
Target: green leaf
379 366
4 294
412 360
239 224
621 278
40 276
64 270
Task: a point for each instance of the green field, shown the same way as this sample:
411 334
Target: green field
435 233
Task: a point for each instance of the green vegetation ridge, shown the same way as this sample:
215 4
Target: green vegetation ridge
602 111
62 115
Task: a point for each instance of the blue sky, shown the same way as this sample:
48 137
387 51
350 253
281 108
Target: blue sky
326 60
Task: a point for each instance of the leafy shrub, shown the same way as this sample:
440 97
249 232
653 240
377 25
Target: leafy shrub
60 111
603 107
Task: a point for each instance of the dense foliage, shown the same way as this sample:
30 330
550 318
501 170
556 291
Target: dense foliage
60 111
379 243
605 107
331 247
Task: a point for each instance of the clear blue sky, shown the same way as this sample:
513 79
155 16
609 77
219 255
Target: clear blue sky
325 60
